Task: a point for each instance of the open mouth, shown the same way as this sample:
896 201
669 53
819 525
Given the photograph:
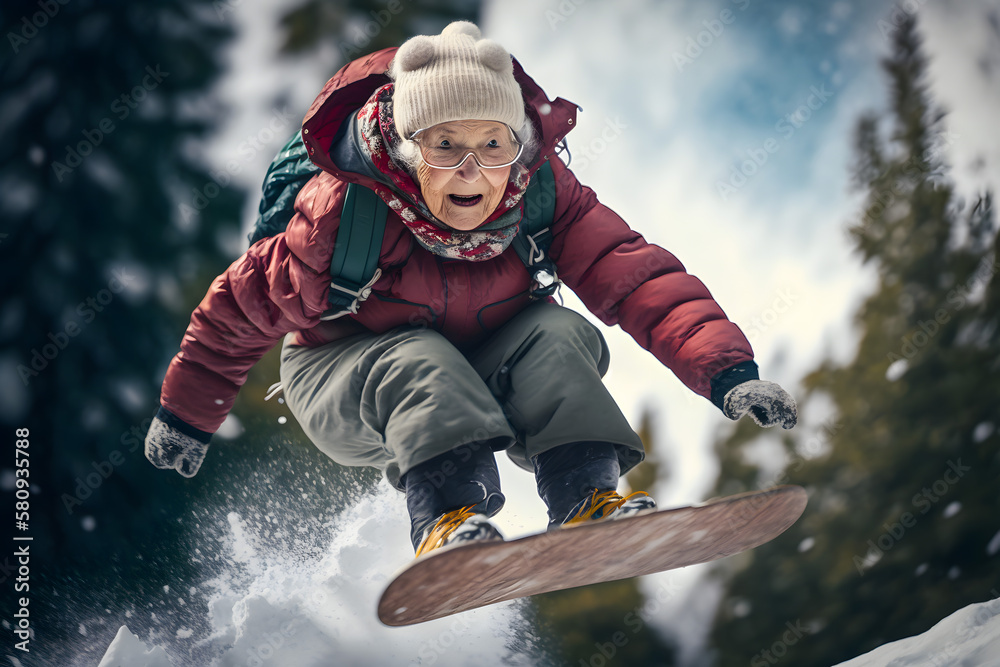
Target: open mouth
471 200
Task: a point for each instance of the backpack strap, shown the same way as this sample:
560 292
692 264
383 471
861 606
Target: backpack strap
354 267
535 236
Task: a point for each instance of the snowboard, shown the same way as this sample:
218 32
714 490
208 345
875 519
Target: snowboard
458 578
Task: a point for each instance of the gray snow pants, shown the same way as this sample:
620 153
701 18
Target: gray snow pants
398 399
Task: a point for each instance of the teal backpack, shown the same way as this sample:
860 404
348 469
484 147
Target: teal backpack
354 267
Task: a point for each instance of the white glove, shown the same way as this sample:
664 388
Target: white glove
767 403
167 448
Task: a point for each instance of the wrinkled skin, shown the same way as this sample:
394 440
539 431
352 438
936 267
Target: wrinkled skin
437 185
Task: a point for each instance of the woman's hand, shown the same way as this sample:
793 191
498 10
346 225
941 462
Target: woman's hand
767 403
167 448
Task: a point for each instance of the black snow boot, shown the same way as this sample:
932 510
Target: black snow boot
567 474
464 478
579 483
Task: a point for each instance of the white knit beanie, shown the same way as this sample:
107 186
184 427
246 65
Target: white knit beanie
456 75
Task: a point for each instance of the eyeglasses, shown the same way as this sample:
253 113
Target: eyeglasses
495 148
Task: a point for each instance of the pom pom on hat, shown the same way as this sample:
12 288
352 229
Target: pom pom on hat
456 75
494 56
415 53
467 28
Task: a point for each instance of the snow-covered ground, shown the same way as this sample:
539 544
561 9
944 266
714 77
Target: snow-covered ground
968 638
276 606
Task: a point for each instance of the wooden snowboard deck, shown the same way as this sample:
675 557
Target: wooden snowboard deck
464 577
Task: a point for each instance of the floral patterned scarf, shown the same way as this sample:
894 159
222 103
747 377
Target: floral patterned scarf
378 132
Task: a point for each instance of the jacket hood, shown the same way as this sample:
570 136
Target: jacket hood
351 87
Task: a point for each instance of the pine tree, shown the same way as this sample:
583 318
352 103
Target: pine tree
95 256
98 250
901 525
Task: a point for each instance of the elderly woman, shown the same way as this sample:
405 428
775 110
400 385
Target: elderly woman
452 357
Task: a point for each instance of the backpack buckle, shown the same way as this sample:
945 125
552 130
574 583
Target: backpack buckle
546 283
359 295
545 276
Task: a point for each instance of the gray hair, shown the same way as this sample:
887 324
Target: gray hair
407 154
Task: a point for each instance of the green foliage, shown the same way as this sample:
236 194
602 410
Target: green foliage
605 624
94 164
95 257
647 474
360 27
902 478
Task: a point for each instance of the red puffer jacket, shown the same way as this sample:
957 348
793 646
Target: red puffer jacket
280 284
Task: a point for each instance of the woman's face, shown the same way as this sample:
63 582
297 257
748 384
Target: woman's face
462 198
